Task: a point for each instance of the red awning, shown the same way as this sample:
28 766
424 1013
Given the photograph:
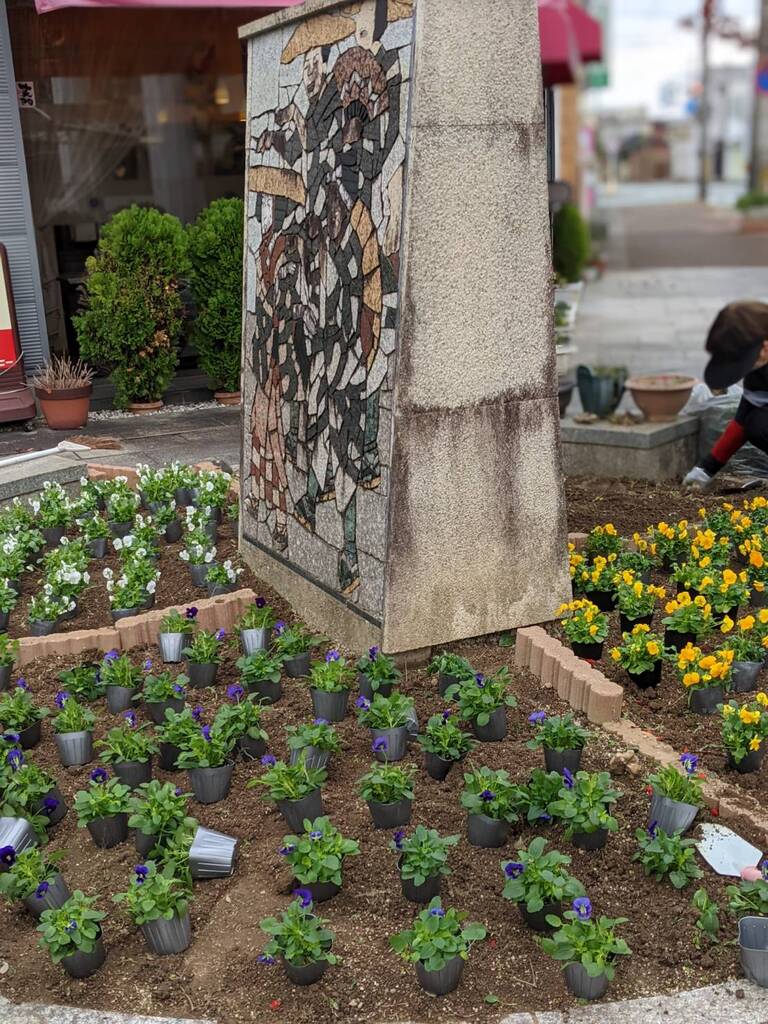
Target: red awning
43 6
569 38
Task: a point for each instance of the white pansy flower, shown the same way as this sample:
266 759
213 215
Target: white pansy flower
184 556
107 574
151 587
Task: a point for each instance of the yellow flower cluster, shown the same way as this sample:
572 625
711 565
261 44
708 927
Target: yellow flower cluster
608 529
745 624
698 668
643 546
704 541
684 599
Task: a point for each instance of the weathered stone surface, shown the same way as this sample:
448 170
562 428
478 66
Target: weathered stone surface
98 471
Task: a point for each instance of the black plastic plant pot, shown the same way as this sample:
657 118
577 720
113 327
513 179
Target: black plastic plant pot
494 730
627 625
5 677
183 497
330 706
437 767
295 811
251 748
397 743
201 676
56 813
68 616
589 652
489 833
744 675
198 573
705 700
218 589
56 896
604 599
267 691
4 620
537 920
43 627
110 831
167 937
168 757
298 666
582 986
133 773
390 815
156 709
306 975
313 756
751 762
211 785
590 841
30 736
556 760
120 698
97 548
440 983
53 535
366 688
173 532
420 893
143 842
322 891
444 682
753 944
83 965
119 530
75 748
671 815
212 854
124 613
678 640
647 680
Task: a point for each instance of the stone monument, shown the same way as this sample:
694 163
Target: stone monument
401 476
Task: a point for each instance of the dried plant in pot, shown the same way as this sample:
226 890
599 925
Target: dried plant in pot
63 389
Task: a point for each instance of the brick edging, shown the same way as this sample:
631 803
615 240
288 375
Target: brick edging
212 613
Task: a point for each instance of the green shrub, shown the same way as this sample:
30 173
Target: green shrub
215 244
133 310
751 199
571 242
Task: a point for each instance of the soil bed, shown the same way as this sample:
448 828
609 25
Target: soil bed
218 976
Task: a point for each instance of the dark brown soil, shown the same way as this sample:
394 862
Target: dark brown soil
174 586
219 977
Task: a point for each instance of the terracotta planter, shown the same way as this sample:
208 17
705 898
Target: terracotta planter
660 397
227 397
142 408
65 410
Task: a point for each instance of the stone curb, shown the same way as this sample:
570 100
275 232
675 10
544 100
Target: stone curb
39 1013
213 613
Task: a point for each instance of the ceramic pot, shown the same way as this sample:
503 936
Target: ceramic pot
589 652
322 891
390 815
590 840
661 396
366 689
440 983
267 691
212 854
647 680
489 833
168 937
144 408
171 646
133 773
298 666
751 762
557 760
227 397
671 815
75 748
705 700
56 896
494 730
168 757
537 920
330 706
43 627
83 965
201 676
120 698
397 743
108 832
210 785
306 975
313 756
295 811
156 709
30 736
744 676
753 945
627 625
252 640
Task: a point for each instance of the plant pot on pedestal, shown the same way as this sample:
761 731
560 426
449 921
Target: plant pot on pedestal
660 397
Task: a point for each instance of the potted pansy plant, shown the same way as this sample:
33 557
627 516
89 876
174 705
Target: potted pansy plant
450 668
676 794
222 578
641 655
239 722
704 677
102 808
587 946
203 657
121 680
199 554
490 799
207 757
483 702
261 673
316 857
176 632
562 738
672 542
129 747
422 861
53 512
122 507
157 810
725 590
9 652
294 645
636 600
174 733
744 730
157 900
387 718
667 857
83 682
33 878
46 609
745 639
29 791
539 882
296 789
444 744
300 939
388 791
73 730
314 742
438 944
8 601
603 540
376 673
583 807
536 796
330 682
255 626
20 714
596 580
95 533
72 935
586 628
161 691
131 589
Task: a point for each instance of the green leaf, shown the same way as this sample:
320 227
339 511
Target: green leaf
505 640
491 999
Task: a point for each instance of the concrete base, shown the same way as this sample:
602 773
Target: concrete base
38 1013
645 451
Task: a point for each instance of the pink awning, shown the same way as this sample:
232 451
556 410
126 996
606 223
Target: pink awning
43 6
569 38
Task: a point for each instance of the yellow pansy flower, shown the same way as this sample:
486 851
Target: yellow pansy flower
754 743
762 699
616 654
652 647
728 710
746 623
691 678
727 624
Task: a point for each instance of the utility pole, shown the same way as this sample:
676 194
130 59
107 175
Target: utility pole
707 13
758 163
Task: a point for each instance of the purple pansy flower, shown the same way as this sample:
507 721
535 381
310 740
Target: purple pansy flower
235 691
279 627
582 908
537 717
7 855
148 665
205 732
111 655
100 775
305 896
286 851
41 890
480 679
220 634
690 762
653 829
50 803
398 838
316 834
141 871
568 778
179 689
197 712
190 613
764 869
178 791
268 760
15 759
263 958
22 684
260 602
11 737
363 703
332 656
513 869
61 699
320 721
373 653
437 912
380 745
447 714
130 717
487 795
71 927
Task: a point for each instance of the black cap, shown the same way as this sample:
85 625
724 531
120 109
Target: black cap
734 342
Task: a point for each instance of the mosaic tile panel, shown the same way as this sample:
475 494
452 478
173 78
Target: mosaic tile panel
326 149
